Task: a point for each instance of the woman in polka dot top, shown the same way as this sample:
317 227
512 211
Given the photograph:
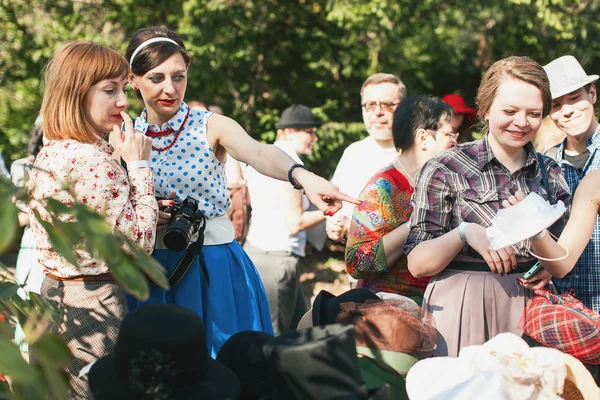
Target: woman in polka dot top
188 154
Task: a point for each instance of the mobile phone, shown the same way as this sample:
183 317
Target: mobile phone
533 270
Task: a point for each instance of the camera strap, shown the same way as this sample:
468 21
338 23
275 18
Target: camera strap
194 250
542 168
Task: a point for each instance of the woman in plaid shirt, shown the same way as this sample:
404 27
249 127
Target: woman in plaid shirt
474 293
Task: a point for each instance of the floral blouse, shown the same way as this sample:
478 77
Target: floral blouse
385 206
127 202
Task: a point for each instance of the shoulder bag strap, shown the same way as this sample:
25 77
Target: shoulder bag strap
542 168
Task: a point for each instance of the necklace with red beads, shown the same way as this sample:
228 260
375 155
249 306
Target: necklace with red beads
168 132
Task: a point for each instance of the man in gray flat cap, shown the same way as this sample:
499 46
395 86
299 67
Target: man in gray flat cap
573 98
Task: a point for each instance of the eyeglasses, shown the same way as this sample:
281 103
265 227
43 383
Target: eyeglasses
449 135
370 106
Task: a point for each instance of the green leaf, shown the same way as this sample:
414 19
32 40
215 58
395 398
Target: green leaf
12 364
61 237
9 221
128 275
57 208
7 189
53 354
148 264
8 289
52 350
100 239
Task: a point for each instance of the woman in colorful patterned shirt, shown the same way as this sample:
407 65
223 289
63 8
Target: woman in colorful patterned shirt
189 149
375 248
84 99
474 293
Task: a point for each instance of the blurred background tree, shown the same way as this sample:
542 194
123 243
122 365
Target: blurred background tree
255 58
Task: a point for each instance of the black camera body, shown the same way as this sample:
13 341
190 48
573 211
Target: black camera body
186 220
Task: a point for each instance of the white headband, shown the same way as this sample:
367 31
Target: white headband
146 43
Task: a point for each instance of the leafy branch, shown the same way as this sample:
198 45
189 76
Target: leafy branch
70 228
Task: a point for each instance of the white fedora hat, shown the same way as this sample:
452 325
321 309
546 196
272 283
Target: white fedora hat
567 75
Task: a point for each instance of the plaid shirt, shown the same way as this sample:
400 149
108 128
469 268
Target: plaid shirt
467 183
584 279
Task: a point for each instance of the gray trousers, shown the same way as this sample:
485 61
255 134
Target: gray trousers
279 271
92 315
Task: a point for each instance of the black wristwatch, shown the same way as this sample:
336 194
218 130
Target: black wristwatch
293 182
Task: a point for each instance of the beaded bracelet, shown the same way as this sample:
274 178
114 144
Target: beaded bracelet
293 182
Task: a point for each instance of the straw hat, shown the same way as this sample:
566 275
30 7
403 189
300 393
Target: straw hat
534 373
579 383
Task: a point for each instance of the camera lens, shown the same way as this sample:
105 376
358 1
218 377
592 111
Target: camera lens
178 234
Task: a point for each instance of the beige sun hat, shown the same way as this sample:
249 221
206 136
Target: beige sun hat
567 75
579 383
537 373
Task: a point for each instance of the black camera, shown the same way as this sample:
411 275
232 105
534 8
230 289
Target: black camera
186 220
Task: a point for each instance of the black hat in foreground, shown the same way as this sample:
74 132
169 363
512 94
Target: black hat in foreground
326 306
298 116
161 353
242 353
317 364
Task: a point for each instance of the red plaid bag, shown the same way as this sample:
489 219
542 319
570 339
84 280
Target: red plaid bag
564 323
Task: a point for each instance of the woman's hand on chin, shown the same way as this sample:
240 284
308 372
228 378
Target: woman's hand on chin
322 193
131 145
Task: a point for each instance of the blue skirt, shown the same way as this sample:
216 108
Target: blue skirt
234 301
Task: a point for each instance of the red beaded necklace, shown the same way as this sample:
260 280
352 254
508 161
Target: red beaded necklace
167 132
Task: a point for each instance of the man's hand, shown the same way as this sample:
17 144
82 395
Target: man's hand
337 228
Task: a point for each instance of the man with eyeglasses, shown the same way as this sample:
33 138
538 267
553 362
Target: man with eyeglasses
380 95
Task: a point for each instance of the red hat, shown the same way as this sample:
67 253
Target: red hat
458 104
563 322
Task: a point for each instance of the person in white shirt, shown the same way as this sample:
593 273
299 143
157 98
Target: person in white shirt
380 95
3 171
277 236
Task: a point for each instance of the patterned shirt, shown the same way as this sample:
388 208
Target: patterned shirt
189 168
127 203
385 206
584 279
467 183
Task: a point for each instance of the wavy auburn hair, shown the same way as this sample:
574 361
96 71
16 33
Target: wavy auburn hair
69 75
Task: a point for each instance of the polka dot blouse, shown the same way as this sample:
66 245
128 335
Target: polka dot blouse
189 167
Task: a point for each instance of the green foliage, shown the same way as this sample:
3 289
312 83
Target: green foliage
256 58
68 228
30 381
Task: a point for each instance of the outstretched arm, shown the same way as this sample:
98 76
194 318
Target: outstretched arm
269 160
577 232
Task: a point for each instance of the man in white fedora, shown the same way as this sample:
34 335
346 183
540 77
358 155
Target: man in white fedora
573 97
